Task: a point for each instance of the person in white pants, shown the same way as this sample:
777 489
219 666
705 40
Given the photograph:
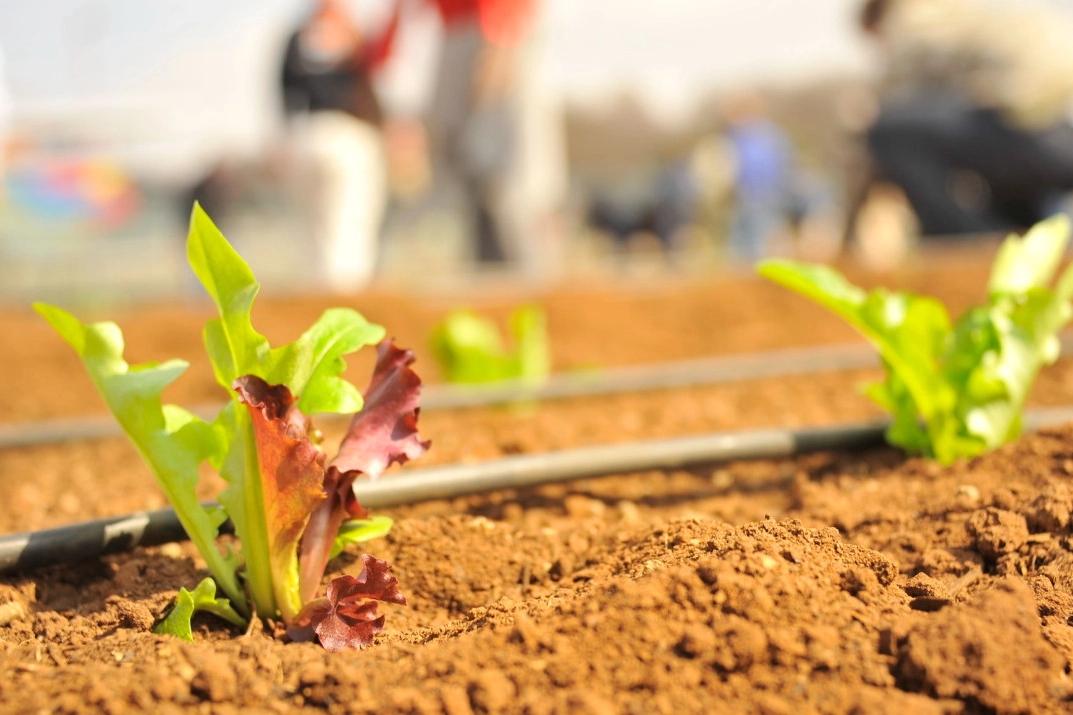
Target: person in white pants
336 118
348 195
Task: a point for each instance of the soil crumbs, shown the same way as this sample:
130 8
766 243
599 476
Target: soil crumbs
852 582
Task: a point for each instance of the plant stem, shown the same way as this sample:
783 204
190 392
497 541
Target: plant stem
252 527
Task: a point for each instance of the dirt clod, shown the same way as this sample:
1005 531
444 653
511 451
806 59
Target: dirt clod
923 585
133 614
997 531
215 680
956 654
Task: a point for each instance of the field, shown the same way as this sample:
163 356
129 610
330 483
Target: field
832 582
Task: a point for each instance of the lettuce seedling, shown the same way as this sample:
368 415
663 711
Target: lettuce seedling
291 506
469 348
955 389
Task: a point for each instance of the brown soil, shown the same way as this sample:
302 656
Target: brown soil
860 582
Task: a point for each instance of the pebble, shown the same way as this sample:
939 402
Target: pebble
722 479
923 585
768 562
132 614
629 512
172 550
11 611
579 506
483 523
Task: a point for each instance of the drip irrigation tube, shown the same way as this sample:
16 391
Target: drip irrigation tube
660 376
642 378
30 550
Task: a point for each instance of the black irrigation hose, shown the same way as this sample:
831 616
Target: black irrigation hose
91 539
30 550
529 470
659 376
105 536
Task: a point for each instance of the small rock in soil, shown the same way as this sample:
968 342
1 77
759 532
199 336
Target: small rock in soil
131 614
1050 511
923 585
997 531
12 611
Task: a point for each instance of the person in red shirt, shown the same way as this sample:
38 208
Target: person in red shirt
502 22
473 122
492 134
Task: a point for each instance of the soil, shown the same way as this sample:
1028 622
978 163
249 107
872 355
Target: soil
849 582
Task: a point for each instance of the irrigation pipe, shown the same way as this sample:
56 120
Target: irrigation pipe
660 376
78 542
643 378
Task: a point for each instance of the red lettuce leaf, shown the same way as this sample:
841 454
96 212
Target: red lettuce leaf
383 433
292 478
347 617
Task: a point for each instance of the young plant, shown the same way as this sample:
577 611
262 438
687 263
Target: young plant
292 507
469 348
955 390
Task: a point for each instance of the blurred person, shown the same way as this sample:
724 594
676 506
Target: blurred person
332 105
406 146
973 124
488 130
763 158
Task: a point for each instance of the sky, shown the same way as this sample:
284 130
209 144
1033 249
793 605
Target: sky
188 78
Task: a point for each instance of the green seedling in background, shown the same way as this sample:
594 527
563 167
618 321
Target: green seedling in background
292 505
470 350
955 390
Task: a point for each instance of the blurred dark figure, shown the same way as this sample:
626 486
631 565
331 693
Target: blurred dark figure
973 120
661 206
618 216
334 113
676 201
474 117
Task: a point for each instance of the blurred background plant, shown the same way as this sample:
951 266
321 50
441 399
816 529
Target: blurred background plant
470 349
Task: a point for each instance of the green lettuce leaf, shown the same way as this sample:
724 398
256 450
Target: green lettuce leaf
203 598
909 333
312 366
355 531
171 440
955 390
